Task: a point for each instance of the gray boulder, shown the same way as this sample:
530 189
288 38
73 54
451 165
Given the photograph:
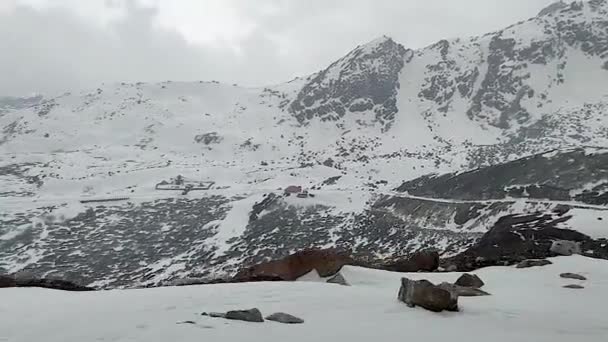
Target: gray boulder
469 280
572 276
462 291
338 279
533 263
6 281
423 293
574 286
286 318
251 315
565 247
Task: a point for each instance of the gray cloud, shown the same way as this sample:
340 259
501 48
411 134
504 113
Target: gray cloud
53 49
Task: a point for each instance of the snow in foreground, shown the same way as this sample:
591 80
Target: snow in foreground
526 305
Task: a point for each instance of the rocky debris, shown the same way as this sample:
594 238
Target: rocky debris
423 293
285 318
462 291
533 263
426 261
567 248
327 262
338 278
469 280
515 238
7 281
573 286
572 276
251 315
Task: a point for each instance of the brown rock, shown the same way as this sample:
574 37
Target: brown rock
462 291
327 262
533 263
423 293
427 261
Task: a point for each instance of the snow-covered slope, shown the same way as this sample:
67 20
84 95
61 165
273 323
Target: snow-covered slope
525 305
350 134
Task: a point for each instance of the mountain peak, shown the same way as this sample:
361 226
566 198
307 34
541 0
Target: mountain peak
366 79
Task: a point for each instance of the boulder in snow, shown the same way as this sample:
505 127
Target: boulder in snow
574 286
572 276
565 247
423 293
469 280
286 318
251 315
533 263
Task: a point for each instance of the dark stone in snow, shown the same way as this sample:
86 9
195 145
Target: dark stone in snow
214 314
572 276
282 317
533 263
423 293
469 280
573 286
251 315
421 261
6 281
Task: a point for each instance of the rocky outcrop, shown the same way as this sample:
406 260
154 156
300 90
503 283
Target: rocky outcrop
285 318
326 262
55 284
424 294
515 238
533 263
7 281
426 261
469 280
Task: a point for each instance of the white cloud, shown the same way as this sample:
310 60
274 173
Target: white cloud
57 45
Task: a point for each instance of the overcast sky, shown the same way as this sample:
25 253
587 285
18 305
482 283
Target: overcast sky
52 46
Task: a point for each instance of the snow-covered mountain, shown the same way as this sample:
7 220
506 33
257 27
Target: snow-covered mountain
79 173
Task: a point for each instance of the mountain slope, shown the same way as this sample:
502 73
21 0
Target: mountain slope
139 184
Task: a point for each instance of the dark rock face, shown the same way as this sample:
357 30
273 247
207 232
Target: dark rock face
326 262
55 284
576 168
423 293
572 276
533 263
426 261
251 315
365 79
469 280
285 318
515 238
6 281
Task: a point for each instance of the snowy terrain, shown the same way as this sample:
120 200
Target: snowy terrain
79 173
525 305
